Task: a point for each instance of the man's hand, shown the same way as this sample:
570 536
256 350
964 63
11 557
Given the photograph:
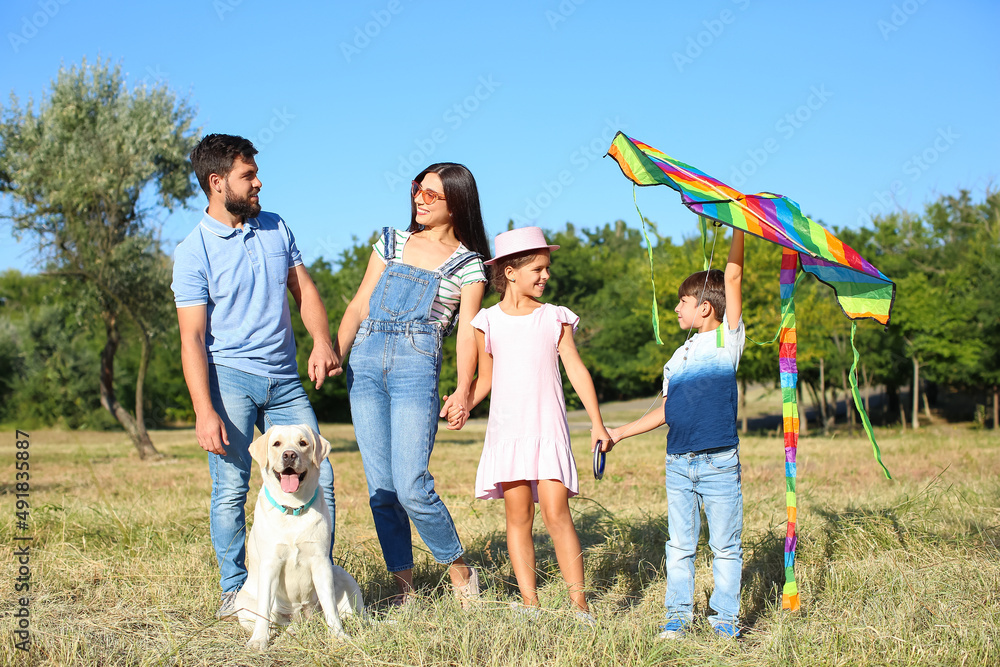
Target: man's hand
211 432
323 363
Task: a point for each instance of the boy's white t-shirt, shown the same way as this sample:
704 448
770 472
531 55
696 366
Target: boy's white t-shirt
699 382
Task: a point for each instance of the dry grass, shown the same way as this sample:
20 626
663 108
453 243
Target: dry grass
902 572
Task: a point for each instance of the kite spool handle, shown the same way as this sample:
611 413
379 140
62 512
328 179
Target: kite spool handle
599 458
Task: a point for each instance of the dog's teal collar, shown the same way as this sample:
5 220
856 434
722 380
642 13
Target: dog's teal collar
294 511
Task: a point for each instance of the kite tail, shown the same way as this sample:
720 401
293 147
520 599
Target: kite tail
649 251
786 303
703 226
789 373
853 376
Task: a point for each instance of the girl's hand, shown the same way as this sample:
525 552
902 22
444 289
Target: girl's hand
600 433
454 411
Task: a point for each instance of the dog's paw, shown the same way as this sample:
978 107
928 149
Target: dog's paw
339 635
257 644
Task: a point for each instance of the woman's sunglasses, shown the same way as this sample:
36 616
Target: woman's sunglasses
429 195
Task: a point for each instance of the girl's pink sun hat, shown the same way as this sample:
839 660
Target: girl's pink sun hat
519 240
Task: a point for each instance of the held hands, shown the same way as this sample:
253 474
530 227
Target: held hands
616 435
454 411
323 363
599 432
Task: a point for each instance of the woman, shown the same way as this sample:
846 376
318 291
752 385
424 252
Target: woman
415 283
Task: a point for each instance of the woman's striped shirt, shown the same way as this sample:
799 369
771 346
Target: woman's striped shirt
449 294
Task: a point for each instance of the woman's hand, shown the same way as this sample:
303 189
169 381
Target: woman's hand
454 411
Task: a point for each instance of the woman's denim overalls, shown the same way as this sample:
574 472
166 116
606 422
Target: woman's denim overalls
392 379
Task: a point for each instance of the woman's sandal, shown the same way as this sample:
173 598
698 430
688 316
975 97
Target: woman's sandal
468 593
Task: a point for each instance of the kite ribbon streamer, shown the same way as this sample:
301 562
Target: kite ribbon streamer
853 375
649 251
789 374
703 227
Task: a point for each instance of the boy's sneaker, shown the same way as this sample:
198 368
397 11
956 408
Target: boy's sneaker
227 610
726 629
528 613
675 628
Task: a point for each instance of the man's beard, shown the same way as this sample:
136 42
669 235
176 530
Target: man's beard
242 208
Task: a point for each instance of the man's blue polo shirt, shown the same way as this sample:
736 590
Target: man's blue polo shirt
241 276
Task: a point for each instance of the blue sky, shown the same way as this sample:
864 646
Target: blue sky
850 108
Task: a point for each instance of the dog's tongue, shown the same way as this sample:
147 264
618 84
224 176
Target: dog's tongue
289 483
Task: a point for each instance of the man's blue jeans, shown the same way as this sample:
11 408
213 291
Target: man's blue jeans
243 401
713 479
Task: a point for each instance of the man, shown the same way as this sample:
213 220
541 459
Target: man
231 275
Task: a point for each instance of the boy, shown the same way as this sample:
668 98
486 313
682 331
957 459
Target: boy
702 463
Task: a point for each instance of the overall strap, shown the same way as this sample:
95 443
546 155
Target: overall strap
455 263
389 243
448 270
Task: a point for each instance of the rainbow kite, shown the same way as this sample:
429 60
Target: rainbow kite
788 372
862 291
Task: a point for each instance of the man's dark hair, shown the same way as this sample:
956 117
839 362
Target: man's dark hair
706 286
216 153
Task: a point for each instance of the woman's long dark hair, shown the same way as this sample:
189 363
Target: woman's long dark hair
462 198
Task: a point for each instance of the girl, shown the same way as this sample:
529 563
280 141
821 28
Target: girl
415 283
527 456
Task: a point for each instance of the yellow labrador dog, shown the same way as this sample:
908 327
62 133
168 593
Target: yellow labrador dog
289 571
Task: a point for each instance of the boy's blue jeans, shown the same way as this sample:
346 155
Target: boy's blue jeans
713 479
244 400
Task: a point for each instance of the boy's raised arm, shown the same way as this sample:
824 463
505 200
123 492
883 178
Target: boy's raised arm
734 281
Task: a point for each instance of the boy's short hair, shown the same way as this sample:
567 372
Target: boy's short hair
706 286
216 153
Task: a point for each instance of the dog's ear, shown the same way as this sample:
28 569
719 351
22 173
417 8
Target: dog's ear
321 447
258 450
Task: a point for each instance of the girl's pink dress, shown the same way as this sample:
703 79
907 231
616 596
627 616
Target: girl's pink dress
527 437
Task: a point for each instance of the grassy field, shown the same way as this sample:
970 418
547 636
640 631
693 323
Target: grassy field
901 572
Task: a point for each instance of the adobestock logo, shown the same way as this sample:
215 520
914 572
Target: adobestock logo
787 126
901 13
47 10
455 116
279 121
363 35
581 158
704 39
884 201
565 9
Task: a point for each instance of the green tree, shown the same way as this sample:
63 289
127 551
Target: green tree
966 324
85 173
761 317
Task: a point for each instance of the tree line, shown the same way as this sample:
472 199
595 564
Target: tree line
91 340
944 335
